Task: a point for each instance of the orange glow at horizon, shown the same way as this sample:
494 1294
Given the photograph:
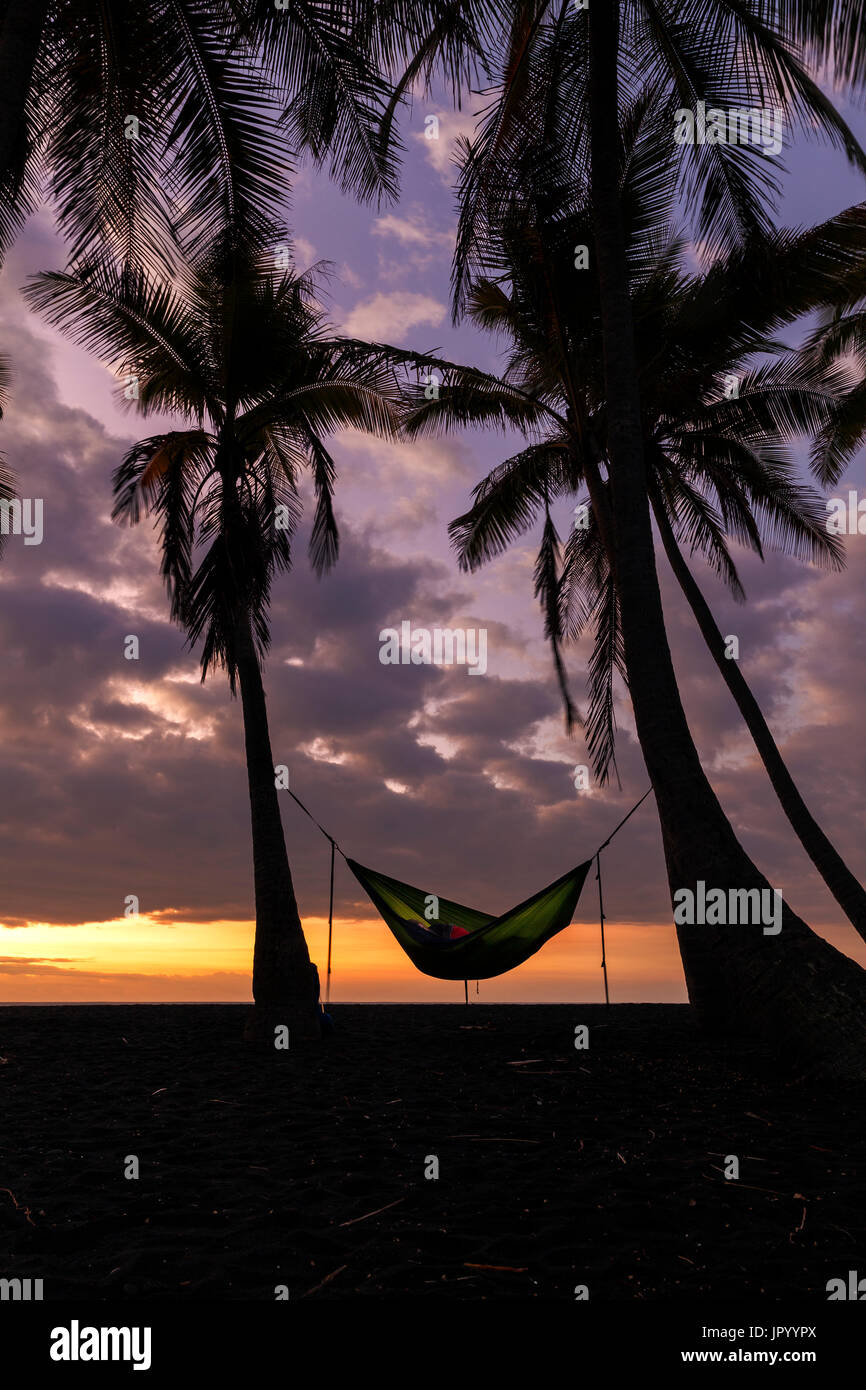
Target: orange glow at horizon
139 960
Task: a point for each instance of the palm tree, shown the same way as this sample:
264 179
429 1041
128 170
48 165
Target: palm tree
564 77
693 333
555 380
244 356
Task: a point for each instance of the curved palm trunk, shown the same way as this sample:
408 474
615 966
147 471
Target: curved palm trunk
21 31
794 988
285 983
848 893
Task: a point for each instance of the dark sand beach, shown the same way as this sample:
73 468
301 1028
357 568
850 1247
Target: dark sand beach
557 1167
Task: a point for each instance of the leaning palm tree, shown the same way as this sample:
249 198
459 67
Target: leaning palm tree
242 353
717 464
689 329
565 75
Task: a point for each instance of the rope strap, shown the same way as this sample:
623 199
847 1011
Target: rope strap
622 822
315 822
601 912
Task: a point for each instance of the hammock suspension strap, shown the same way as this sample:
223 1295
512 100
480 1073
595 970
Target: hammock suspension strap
330 928
334 846
601 923
601 916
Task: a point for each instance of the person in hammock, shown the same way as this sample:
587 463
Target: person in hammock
436 933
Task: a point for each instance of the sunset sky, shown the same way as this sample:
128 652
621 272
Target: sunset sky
120 777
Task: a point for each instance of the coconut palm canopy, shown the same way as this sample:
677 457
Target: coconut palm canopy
722 397
139 122
242 352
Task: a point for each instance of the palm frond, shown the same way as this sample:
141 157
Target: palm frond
133 321
325 535
548 591
507 502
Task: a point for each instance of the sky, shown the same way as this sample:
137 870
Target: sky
125 778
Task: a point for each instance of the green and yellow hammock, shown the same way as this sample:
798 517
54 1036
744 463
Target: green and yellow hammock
486 945
444 939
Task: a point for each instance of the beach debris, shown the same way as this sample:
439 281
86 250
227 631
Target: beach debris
367 1215
18 1206
497 1140
327 1279
799 1228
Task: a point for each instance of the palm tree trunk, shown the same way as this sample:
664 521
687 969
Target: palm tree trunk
848 893
793 988
21 30
285 983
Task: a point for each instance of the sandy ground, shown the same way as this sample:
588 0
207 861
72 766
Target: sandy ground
557 1167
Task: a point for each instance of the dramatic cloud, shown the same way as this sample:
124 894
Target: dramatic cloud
127 777
391 316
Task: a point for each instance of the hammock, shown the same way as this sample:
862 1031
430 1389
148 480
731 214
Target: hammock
477 946
461 943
